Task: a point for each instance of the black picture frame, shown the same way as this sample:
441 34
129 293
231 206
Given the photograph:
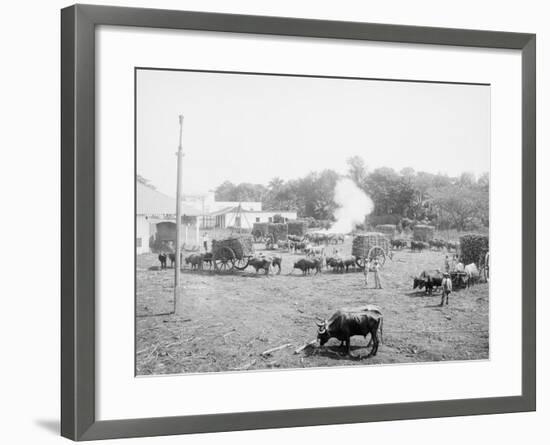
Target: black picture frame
78 23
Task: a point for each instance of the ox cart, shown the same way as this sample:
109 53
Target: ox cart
270 233
458 279
232 253
369 247
259 232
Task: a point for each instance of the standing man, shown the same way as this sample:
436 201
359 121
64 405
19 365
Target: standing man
205 241
366 270
447 264
447 286
376 270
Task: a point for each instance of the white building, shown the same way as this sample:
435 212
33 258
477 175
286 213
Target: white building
233 216
156 220
208 207
156 217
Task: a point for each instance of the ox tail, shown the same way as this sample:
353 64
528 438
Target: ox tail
381 330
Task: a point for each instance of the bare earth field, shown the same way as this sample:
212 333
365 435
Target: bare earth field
230 319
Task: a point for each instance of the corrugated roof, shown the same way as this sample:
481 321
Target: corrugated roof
153 202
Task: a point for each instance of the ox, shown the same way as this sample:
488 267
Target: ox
277 261
336 264
428 280
195 260
162 259
172 257
398 243
207 258
297 245
261 263
452 245
296 238
305 265
349 262
437 243
345 324
472 274
419 246
314 250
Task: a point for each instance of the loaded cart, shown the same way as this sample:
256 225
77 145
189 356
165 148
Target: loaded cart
370 246
232 253
270 233
259 231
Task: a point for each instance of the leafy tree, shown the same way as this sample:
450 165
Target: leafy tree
357 171
462 205
406 196
228 191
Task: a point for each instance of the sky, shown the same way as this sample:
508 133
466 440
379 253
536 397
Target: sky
251 128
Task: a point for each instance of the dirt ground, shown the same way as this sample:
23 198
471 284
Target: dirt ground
230 319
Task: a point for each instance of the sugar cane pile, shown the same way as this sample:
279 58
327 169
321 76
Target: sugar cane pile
259 229
387 229
473 248
279 231
297 227
242 245
423 233
364 242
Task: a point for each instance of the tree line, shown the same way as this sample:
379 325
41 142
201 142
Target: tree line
399 197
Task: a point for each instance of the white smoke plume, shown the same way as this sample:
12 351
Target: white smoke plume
353 205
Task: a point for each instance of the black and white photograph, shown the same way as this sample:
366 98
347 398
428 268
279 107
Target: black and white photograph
291 221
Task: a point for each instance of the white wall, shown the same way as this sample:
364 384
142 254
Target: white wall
30 160
143 231
249 218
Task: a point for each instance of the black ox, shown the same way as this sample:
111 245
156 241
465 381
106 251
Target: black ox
428 280
307 265
345 324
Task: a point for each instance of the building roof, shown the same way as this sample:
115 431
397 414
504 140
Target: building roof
153 202
233 209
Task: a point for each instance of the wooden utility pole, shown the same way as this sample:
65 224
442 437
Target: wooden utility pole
178 219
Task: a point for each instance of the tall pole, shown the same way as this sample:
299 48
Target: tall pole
178 218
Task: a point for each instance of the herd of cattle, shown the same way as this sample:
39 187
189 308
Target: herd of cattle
344 324
419 246
462 276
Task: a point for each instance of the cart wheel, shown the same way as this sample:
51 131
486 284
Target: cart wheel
361 262
242 263
223 259
377 253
